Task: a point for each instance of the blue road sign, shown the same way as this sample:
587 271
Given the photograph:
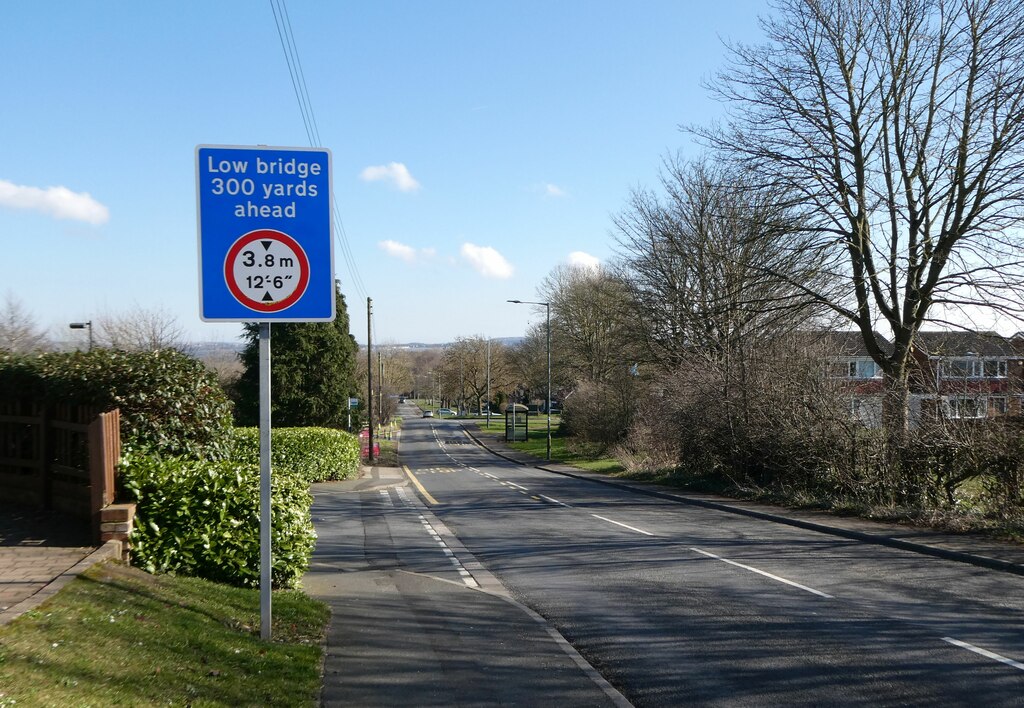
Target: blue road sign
265 246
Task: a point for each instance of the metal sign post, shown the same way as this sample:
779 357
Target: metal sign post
266 562
265 254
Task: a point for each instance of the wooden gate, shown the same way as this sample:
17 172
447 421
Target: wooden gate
61 457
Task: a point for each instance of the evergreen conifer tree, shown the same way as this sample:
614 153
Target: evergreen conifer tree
313 372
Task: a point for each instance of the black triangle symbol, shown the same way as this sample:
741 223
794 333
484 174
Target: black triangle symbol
268 297
266 245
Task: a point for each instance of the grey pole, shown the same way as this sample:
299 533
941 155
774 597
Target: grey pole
548 327
265 554
548 306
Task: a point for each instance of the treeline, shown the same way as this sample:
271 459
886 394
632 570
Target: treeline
867 176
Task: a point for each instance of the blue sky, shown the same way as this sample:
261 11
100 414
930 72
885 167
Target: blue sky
476 145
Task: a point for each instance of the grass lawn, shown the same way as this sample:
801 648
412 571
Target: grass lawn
563 449
117 636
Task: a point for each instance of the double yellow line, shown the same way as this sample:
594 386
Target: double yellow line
424 492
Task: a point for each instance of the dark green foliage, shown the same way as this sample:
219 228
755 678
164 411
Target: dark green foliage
313 372
170 403
202 519
312 454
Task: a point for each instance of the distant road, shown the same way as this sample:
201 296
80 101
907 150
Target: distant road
678 605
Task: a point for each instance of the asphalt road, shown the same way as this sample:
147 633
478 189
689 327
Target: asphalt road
678 605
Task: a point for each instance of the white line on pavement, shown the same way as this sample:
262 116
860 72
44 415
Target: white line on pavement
466 576
555 501
762 572
984 652
626 526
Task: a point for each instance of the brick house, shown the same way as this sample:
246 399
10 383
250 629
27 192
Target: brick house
856 373
967 375
957 375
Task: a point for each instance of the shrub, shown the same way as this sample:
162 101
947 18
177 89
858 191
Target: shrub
312 454
202 519
170 403
600 412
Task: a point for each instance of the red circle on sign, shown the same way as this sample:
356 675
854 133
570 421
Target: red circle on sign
263 305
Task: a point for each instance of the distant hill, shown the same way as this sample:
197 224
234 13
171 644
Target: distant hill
506 341
204 350
201 350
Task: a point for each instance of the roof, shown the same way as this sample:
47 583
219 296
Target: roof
849 343
947 344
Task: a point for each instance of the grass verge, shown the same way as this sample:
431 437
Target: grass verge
563 449
117 636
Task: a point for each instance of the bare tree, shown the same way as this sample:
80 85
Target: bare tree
899 127
703 263
464 370
18 331
139 329
588 324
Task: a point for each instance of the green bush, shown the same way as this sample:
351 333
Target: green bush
202 519
312 454
170 403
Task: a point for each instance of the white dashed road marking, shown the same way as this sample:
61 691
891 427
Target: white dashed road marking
764 573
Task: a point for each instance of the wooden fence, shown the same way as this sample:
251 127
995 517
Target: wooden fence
59 457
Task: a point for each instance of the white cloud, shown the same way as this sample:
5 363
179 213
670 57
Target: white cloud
398 250
394 172
487 262
553 190
580 259
58 202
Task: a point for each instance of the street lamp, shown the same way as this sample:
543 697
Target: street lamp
83 325
547 307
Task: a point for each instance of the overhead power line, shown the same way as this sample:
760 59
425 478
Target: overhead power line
298 78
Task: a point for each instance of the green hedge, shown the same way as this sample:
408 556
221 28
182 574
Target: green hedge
170 403
312 454
202 518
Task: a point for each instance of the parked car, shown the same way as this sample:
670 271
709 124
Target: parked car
428 414
445 411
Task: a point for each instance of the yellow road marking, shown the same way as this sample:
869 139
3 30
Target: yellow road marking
419 486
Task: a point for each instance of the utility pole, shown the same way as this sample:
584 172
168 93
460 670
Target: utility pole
369 376
488 382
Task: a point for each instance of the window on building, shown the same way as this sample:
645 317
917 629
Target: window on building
997 405
994 368
965 407
974 368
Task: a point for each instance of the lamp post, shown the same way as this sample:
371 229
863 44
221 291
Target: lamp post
83 325
547 307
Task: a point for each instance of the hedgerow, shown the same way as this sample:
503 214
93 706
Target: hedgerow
313 454
170 403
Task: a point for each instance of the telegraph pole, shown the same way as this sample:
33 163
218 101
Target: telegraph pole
369 376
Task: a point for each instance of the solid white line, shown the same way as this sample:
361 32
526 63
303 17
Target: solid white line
555 501
625 526
984 652
764 573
